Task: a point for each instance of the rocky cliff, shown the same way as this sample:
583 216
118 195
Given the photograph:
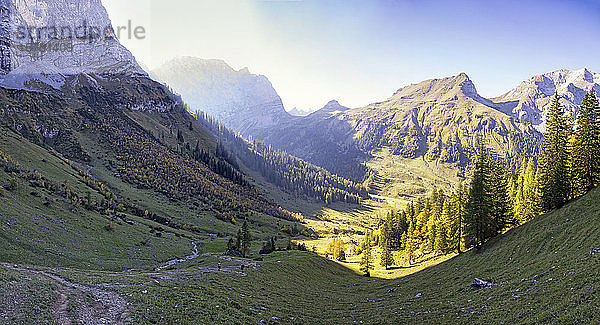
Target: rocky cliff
529 101
241 100
42 41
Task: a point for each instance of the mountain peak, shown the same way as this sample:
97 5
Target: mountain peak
530 100
45 51
333 106
241 100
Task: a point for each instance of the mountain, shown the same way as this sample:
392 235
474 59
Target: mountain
106 150
298 112
425 135
44 41
529 102
241 100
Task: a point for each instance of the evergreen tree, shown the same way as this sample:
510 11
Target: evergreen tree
501 209
411 243
478 209
387 258
245 239
585 158
441 243
366 260
554 173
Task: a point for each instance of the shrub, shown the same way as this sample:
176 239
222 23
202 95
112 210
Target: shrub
110 227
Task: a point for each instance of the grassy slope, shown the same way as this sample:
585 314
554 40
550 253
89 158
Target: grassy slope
32 233
546 271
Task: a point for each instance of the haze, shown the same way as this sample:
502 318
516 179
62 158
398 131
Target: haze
360 52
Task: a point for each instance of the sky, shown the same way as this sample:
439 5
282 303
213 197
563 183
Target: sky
360 52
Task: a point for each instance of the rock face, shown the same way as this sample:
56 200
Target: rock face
440 121
42 41
530 101
243 101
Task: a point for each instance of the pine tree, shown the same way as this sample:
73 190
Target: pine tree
585 158
554 173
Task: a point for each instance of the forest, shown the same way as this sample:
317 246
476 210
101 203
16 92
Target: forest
499 197
279 168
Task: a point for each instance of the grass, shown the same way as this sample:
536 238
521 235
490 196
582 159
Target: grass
547 271
409 179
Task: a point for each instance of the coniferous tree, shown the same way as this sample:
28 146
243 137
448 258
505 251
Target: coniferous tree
585 158
478 209
501 209
457 213
245 239
366 260
527 202
554 172
387 258
411 243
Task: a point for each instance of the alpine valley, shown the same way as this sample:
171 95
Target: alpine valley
188 195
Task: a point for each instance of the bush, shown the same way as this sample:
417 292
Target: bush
13 185
2 192
110 227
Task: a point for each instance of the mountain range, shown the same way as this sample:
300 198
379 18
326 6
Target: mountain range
424 135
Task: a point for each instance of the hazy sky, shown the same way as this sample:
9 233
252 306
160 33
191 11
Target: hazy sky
361 52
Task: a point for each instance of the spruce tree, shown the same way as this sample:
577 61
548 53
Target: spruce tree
478 209
501 209
585 158
366 260
554 173
387 258
440 239
245 239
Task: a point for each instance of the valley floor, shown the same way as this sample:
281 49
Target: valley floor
547 271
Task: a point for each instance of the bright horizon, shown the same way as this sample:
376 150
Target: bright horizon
359 53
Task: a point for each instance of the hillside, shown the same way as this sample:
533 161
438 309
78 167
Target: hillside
425 135
543 272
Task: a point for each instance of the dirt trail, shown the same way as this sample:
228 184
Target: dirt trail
94 305
107 307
